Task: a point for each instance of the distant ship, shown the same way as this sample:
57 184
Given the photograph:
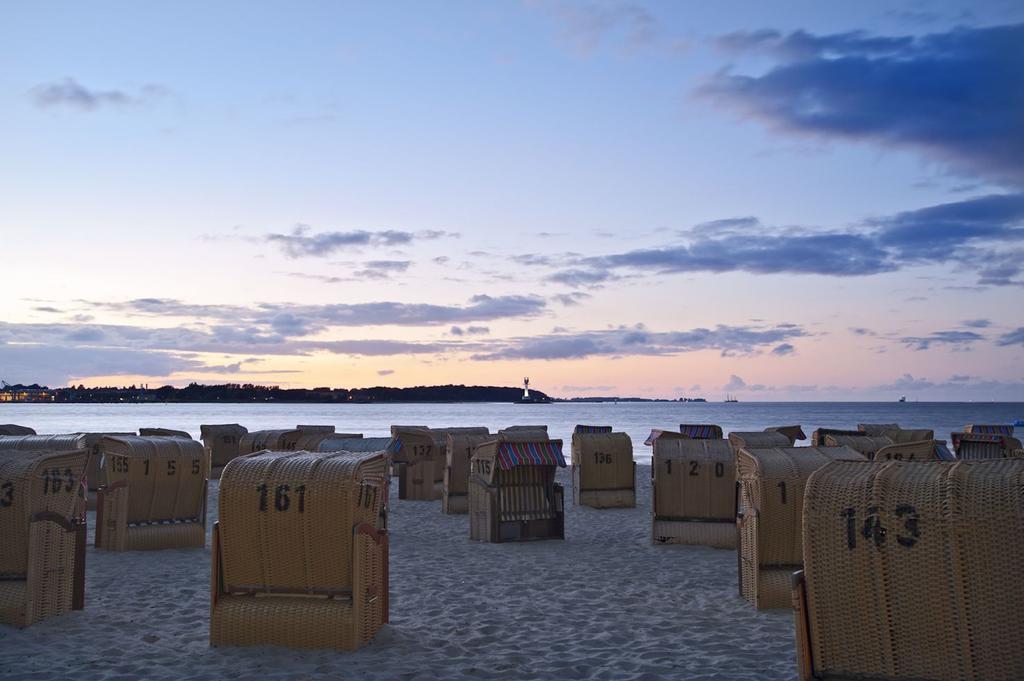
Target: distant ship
903 398
730 398
527 398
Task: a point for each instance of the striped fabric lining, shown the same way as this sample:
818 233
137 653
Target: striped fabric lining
977 437
512 454
701 431
992 430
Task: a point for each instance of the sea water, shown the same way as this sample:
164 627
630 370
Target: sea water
635 418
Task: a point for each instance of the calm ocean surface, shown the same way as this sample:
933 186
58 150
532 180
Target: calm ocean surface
637 419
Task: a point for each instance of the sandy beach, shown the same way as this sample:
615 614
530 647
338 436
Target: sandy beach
603 604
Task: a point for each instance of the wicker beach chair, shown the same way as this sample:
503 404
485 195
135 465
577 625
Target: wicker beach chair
297 558
912 571
983 445
794 433
418 455
694 492
701 431
535 432
819 435
513 495
877 428
221 442
603 470
768 518
14 429
906 435
865 444
259 440
581 428
455 487
164 432
752 440
309 440
657 434
42 550
441 436
155 496
55 443
315 428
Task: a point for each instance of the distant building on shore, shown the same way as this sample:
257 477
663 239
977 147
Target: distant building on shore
24 393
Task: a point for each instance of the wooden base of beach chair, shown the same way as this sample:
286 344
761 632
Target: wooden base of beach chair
606 498
716 534
454 503
416 482
297 619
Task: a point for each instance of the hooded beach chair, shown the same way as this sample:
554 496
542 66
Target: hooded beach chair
418 456
912 571
297 558
983 445
701 431
14 429
769 517
694 492
155 495
42 534
164 432
513 495
221 442
603 469
455 489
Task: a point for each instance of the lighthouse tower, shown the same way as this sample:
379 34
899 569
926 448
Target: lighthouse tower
526 388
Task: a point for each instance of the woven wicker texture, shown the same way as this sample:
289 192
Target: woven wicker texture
753 440
793 433
694 489
771 493
912 570
40 443
983 445
924 450
901 436
221 442
455 490
865 444
518 503
156 494
701 431
603 470
295 564
877 428
14 429
818 436
39 503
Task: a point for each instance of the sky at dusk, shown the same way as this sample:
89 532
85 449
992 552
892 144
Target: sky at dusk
782 201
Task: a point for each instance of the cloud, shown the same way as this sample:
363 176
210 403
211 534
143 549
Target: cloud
977 323
783 350
385 372
70 93
955 388
303 242
1015 337
861 331
978 234
480 308
570 299
58 365
958 340
638 340
956 97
